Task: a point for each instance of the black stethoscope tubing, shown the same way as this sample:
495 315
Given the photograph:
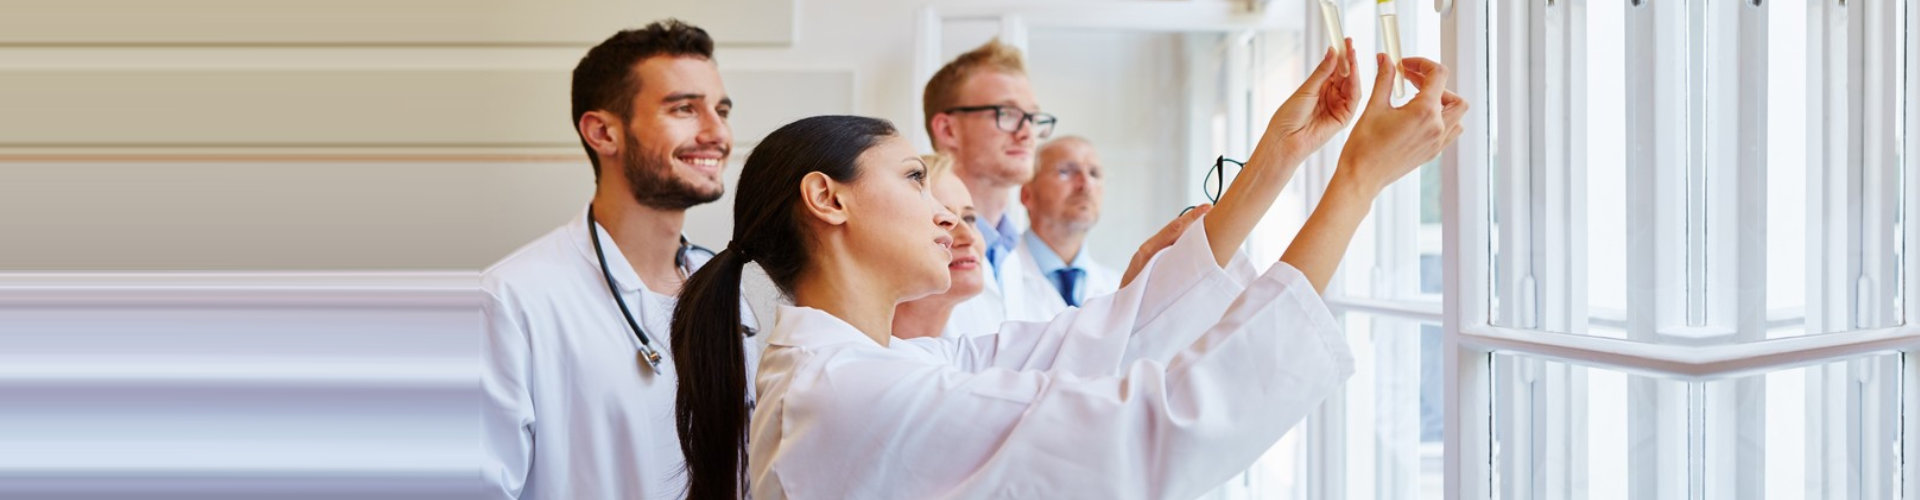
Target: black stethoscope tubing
647 352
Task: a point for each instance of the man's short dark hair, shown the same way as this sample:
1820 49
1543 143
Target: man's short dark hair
605 80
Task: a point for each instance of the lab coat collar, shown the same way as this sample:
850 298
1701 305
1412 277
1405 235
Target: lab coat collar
624 276
796 326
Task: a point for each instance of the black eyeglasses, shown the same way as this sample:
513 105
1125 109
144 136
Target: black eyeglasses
1009 118
1212 188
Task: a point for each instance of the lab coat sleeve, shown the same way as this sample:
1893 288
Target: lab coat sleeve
1171 429
1168 305
506 414
1164 336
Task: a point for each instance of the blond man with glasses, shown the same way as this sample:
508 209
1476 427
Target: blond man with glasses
980 110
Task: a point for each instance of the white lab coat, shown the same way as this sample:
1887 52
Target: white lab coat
1045 298
1163 390
570 412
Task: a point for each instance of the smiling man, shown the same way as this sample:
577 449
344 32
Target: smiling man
579 379
981 110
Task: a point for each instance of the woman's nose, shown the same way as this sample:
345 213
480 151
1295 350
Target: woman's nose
945 218
962 236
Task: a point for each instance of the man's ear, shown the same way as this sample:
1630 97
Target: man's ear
1026 195
944 134
603 132
820 198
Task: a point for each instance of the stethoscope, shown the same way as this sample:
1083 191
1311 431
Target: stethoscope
647 353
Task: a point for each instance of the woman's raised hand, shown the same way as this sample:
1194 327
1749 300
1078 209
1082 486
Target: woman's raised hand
1388 142
1324 104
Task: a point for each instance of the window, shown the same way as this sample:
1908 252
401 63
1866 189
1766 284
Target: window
1676 250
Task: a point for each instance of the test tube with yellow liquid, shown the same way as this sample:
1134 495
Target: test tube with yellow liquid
1336 33
1390 37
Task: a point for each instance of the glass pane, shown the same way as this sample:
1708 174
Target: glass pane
1394 409
1567 431
1563 196
1396 253
1822 195
1787 180
1606 183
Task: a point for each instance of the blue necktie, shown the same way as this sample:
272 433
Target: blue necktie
993 260
1067 280
999 243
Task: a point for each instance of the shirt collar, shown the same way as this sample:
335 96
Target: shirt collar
1048 261
808 327
1001 234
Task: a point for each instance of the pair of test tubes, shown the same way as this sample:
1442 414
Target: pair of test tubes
1389 34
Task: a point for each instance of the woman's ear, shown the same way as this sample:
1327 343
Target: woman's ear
820 198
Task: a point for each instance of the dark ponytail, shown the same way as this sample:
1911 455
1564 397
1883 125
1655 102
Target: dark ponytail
710 412
710 360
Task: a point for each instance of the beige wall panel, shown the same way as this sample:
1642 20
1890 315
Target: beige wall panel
331 208
481 109
239 215
379 22
285 107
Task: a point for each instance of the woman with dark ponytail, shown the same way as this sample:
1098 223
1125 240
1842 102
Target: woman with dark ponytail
1162 390
712 410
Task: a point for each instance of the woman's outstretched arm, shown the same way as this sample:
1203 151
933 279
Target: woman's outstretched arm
1322 106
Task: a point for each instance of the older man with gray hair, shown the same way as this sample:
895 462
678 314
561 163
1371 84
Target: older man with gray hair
1063 203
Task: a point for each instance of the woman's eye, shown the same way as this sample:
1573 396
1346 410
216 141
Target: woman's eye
969 218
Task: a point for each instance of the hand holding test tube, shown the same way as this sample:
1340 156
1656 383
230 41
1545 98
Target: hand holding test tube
1390 37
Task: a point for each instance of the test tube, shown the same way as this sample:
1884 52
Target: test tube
1390 36
1336 36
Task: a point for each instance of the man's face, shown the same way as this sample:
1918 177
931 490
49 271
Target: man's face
982 150
1066 189
677 139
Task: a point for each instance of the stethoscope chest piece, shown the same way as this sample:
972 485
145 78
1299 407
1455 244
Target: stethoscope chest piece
649 357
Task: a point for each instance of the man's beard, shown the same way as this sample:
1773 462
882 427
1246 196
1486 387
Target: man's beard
654 184
1072 223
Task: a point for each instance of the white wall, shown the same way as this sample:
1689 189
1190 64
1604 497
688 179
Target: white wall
1125 92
